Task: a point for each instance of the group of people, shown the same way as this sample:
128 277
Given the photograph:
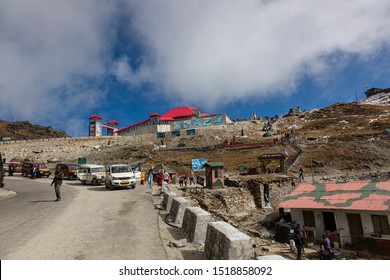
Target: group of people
184 179
163 176
299 237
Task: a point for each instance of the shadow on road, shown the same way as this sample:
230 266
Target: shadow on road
52 200
98 189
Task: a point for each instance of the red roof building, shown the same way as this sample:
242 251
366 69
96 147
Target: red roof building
182 112
173 121
348 210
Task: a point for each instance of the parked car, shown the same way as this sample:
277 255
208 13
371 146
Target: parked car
28 166
91 173
69 170
119 175
137 171
15 164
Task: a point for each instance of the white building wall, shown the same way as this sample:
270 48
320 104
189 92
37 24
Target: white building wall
163 128
341 222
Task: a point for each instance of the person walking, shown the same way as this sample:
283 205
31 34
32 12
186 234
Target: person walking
181 181
298 242
166 180
185 179
150 178
192 176
57 181
300 176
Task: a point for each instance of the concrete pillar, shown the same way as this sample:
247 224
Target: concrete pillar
225 242
195 223
167 200
179 204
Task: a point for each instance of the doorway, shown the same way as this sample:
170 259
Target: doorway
329 221
355 227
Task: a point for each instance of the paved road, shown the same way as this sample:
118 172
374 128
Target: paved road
90 222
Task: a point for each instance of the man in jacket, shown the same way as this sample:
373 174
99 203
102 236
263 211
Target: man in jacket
57 181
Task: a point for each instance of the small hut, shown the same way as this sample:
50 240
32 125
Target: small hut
279 158
215 177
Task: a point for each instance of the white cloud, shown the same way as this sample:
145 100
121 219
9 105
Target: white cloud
219 51
47 48
54 53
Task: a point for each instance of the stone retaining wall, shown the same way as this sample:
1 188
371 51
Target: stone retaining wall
195 223
225 242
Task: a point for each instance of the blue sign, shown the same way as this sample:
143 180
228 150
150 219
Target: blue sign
197 123
198 164
218 120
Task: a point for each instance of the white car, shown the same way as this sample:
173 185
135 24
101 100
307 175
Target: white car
91 173
119 175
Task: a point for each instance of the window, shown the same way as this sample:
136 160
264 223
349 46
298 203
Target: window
308 218
218 173
380 224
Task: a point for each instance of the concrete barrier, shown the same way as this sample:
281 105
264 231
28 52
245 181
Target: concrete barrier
195 223
167 200
225 242
179 204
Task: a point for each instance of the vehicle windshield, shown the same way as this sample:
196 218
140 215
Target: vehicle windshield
42 166
74 167
97 169
121 169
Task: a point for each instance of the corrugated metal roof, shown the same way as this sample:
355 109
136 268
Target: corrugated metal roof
356 195
180 112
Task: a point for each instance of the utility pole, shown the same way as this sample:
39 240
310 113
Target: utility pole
311 166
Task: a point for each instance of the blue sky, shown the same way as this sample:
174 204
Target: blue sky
64 60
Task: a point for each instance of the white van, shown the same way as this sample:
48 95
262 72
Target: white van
119 175
91 173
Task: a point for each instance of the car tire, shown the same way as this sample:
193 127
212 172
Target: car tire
95 182
133 187
111 186
83 182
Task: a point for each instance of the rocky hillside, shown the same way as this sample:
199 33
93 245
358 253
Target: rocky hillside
345 141
339 139
25 130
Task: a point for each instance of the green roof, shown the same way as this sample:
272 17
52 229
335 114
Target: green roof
214 164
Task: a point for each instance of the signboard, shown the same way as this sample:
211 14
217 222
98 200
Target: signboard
82 160
186 124
98 129
199 180
176 125
198 164
218 120
207 121
197 123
